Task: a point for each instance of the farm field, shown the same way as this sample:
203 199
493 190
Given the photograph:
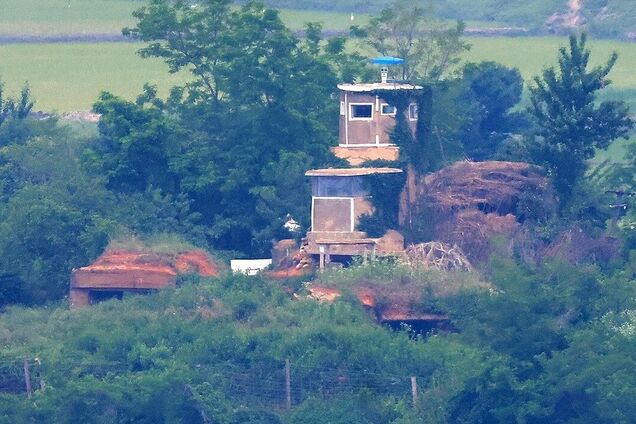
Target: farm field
69 76
55 17
62 17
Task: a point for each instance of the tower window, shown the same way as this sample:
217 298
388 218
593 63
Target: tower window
413 111
388 109
363 111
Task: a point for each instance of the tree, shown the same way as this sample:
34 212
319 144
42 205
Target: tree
492 90
405 29
53 216
11 108
570 122
237 139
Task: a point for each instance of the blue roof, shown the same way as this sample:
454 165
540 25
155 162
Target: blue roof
387 60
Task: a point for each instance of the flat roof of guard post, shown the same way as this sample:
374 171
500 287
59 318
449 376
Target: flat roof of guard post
350 172
373 86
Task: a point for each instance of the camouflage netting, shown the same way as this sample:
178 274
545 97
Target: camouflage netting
473 231
491 186
468 203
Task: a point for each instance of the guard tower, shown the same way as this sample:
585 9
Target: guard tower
339 197
366 119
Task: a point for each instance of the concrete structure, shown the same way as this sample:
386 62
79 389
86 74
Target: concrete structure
339 199
366 121
339 196
117 272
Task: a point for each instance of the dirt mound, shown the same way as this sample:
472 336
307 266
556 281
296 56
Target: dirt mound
125 269
468 203
124 260
397 308
196 262
491 186
290 261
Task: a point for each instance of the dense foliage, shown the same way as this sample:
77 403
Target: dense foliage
571 125
220 163
552 344
237 139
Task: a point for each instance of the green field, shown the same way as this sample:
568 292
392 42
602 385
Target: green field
56 17
66 77
53 17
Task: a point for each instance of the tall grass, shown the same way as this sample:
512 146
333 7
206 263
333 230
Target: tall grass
388 276
157 243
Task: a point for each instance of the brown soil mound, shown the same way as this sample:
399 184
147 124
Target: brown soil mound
124 260
492 185
198 262
290 261
125 269
468 203
398 308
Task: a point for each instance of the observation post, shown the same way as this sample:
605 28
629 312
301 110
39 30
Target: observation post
340 196
367 119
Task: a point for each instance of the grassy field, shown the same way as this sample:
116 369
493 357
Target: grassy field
56 17
66 77
52 17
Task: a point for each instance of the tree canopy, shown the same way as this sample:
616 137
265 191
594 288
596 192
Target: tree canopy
260 102
571 123
430 48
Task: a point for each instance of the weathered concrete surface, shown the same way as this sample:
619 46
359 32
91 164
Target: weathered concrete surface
356 156
119 270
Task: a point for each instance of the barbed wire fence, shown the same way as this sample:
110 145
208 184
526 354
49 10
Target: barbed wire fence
280 386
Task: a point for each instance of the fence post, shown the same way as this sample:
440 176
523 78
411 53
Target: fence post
27 379
288 383
414 391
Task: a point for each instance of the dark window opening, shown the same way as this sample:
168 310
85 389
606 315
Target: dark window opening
338 187
362 111
413 112
102 296
388 109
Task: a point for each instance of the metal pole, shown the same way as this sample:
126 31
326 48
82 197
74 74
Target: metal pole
414 391
27 379
288 383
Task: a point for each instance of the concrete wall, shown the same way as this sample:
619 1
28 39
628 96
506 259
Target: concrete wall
336 214
373 131
358 155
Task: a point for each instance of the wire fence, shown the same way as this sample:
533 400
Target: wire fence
281 385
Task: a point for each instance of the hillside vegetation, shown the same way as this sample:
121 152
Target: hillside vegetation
533 251
214 350
609 18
